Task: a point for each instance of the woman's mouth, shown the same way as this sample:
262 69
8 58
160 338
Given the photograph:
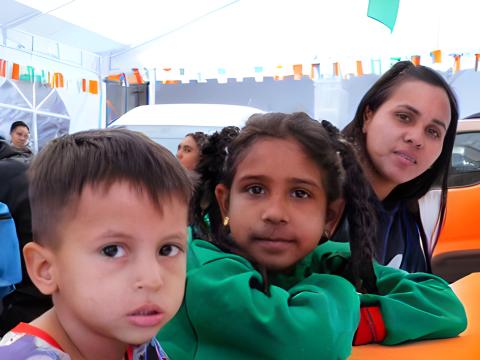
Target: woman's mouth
407 157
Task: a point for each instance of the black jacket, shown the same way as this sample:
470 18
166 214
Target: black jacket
26 302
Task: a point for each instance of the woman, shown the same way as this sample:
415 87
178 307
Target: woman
190 149
20 134
404 130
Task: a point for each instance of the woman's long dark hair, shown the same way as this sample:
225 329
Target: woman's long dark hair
343 176
378 94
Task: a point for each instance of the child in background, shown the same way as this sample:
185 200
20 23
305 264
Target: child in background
109 219
264 288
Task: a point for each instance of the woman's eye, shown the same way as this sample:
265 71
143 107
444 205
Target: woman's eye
301 194
434 133
113 251
255 190
169 250
404 117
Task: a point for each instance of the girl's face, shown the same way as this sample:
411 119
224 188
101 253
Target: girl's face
188 153
277 204
405 135
20 136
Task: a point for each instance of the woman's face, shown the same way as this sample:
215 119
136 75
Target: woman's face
405 135
188 153
20 136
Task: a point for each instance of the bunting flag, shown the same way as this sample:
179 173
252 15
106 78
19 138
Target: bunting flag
57 80
27 73
416 60
456 62
376 66
336 69
315 71
394 60
3 68
258 73
84 85
297 72
359 68
222 76
436 56
279 75
15 71
93 87
384 11
477 58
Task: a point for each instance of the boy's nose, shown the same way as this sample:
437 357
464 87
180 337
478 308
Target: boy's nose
149 276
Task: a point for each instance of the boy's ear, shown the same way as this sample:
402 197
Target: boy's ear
39 263
222 194
334 215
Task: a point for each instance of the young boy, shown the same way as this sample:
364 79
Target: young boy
109 220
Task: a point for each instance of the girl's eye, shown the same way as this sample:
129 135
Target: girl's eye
255 190
301 194
113 251
433 133
169 250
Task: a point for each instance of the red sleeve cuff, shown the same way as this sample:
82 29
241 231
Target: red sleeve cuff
371 328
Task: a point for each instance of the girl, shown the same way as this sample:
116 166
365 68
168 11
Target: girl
264 288
404 130
190 149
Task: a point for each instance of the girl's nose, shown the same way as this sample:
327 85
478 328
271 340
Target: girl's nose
276 210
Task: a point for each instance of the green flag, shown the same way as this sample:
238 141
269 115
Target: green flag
384 11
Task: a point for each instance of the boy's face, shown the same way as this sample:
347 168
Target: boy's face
120 267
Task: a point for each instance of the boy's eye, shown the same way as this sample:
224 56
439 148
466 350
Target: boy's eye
302 194
169 250
113 251
255 190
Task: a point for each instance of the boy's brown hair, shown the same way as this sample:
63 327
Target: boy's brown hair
99 158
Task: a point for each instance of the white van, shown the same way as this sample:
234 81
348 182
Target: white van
167 124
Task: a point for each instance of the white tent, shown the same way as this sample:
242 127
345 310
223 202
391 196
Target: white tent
91 38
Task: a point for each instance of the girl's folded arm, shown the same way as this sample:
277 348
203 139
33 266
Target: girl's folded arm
230 313
415 306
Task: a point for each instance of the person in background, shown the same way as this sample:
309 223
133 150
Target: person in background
270 285
109 219
26 302
20 135
190 149
404 131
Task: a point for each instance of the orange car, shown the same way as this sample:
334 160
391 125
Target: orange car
458 249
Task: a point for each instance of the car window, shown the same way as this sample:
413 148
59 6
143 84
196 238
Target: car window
465 166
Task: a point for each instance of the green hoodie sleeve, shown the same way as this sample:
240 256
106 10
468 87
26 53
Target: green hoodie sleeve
225 316
416 306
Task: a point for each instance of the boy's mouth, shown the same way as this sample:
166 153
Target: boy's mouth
146 316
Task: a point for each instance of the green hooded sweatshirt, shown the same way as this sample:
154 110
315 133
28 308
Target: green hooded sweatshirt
312 313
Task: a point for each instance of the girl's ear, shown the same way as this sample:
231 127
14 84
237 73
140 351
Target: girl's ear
222 193
367 117
334 215
39 261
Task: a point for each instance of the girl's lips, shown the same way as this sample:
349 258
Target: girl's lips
274 245
146 316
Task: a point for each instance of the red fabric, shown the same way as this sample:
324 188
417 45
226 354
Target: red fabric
24 328
371 328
